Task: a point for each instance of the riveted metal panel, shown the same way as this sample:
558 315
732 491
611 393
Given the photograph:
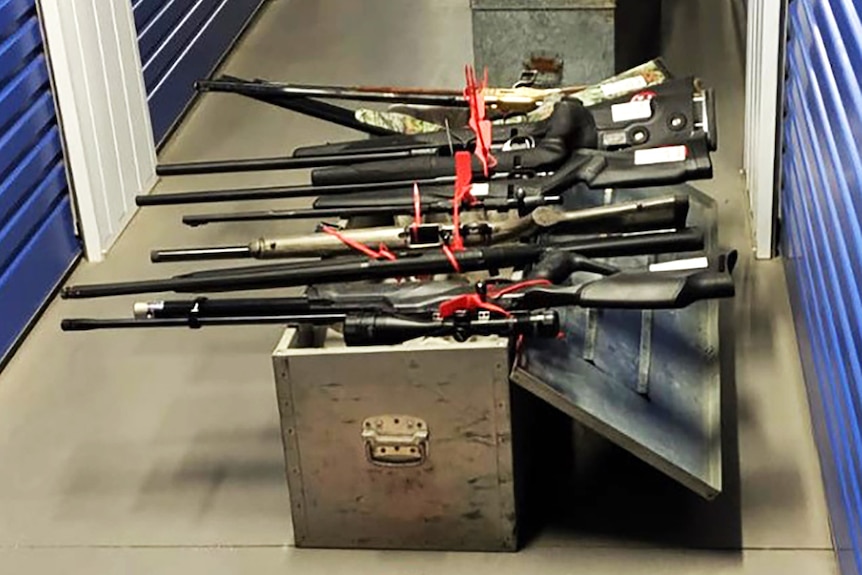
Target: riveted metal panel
649 381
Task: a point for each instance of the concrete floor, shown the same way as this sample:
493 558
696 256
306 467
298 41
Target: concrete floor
160 452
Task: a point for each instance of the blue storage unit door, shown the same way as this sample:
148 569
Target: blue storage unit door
182 41
37 238
822 216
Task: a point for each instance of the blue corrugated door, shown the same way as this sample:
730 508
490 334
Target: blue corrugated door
182 41
822 217
37 239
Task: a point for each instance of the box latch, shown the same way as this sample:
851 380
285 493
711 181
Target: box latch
395 440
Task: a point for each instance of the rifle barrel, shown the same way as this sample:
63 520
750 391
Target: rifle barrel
226 307
417 96
618 245
326 272
276 193
201 254
286 163
84 324
312 213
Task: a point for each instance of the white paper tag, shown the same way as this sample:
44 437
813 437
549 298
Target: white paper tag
480 190
637 110
681 265
624 86
664 155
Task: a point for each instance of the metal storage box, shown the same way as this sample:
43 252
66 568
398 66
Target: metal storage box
397 447
595 38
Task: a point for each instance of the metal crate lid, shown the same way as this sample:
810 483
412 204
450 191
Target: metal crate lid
648 381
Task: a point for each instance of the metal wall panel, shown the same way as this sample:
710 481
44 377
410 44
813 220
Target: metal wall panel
181 42
37 239
822 241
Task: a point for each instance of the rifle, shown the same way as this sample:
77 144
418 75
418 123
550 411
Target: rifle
502 100
653 214
570 126
650 74
516 201
362 329
675 115
581 167
624 168
569 256
388 315
668 114
598 169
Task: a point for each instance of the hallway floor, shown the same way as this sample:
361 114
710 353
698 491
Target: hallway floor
160 452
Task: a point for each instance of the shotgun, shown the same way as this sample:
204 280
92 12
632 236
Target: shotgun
572 256
627 217
389 315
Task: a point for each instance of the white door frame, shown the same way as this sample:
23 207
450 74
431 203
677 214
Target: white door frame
102 107
764 74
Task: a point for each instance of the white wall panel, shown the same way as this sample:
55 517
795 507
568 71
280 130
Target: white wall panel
764 67
103 112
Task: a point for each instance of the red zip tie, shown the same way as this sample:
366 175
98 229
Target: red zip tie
479 123
645 95
383 251
376 255
417 207
463 186
452 259
417 221
468 302
518 287
464 178
474 301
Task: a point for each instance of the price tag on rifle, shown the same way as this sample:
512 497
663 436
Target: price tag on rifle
664 155
636 110
480 190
